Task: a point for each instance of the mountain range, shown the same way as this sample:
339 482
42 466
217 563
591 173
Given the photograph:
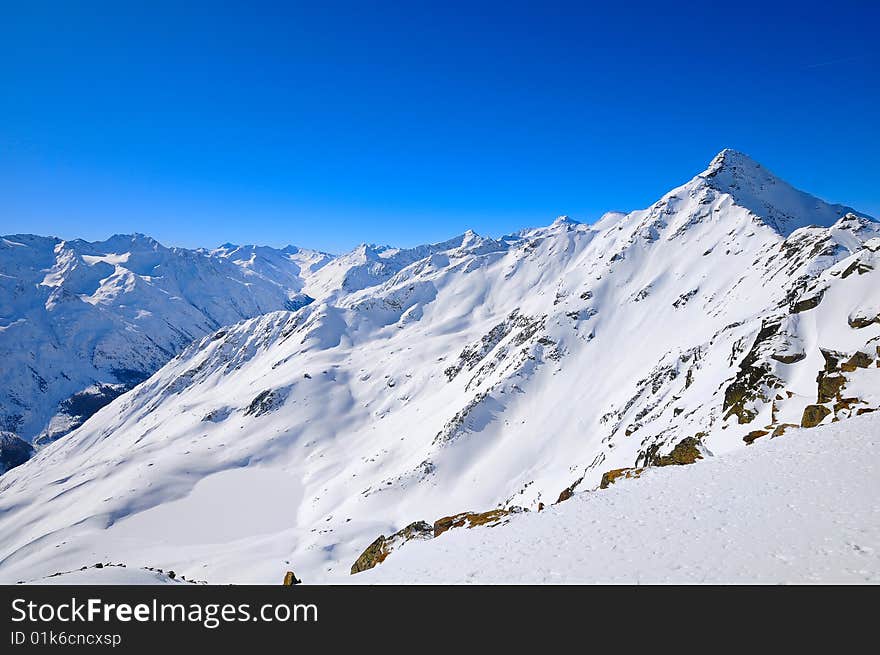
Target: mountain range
238 412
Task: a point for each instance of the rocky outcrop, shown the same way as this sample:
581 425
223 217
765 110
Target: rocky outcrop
290 579
808 303
382 547
858 360
860 320
472 519
14 451
568 492
265 402
752 377
610 477
793 358
829 386
686 451
814 415
755 434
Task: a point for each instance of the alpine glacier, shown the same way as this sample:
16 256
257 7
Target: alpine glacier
406 385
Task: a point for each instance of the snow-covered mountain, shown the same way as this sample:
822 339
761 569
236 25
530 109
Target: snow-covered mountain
82 322
469 375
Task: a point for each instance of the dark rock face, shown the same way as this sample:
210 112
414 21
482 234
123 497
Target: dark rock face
265 402
789 359
807 304
749 379
829 386
14 451
290 579
82 405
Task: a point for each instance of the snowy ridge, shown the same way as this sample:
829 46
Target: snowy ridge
468 375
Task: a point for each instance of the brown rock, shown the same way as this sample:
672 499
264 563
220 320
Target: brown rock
859 360
469 520
780 429
564 495
813 415
829 386
686 451
859 322
755 434
610 477
290 579
568 492
381 548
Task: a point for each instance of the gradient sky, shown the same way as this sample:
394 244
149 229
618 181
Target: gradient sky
410 122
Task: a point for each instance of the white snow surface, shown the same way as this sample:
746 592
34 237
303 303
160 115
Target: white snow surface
107 575
466 375
801 508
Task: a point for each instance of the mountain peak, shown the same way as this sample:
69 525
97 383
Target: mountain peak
769 198
563 220
731 160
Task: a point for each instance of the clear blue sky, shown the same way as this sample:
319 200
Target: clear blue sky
411 122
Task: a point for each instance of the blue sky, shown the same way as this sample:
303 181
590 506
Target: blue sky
410 122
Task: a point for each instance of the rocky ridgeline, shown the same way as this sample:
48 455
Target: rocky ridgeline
687 451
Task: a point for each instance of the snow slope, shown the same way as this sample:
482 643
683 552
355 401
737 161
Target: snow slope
801 508
468 375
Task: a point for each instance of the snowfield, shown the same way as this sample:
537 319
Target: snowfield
408 385
801 508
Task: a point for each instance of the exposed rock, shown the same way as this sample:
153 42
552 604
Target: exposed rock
374 554
788 359
265 402
814 415
858 266
845 404
860 320
610 477
75 410
14 451
780 429
859 360
568 492
564 495
829 386
290 579
471 520
808 303
687 451
832 359
755 434
382 547
747 386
